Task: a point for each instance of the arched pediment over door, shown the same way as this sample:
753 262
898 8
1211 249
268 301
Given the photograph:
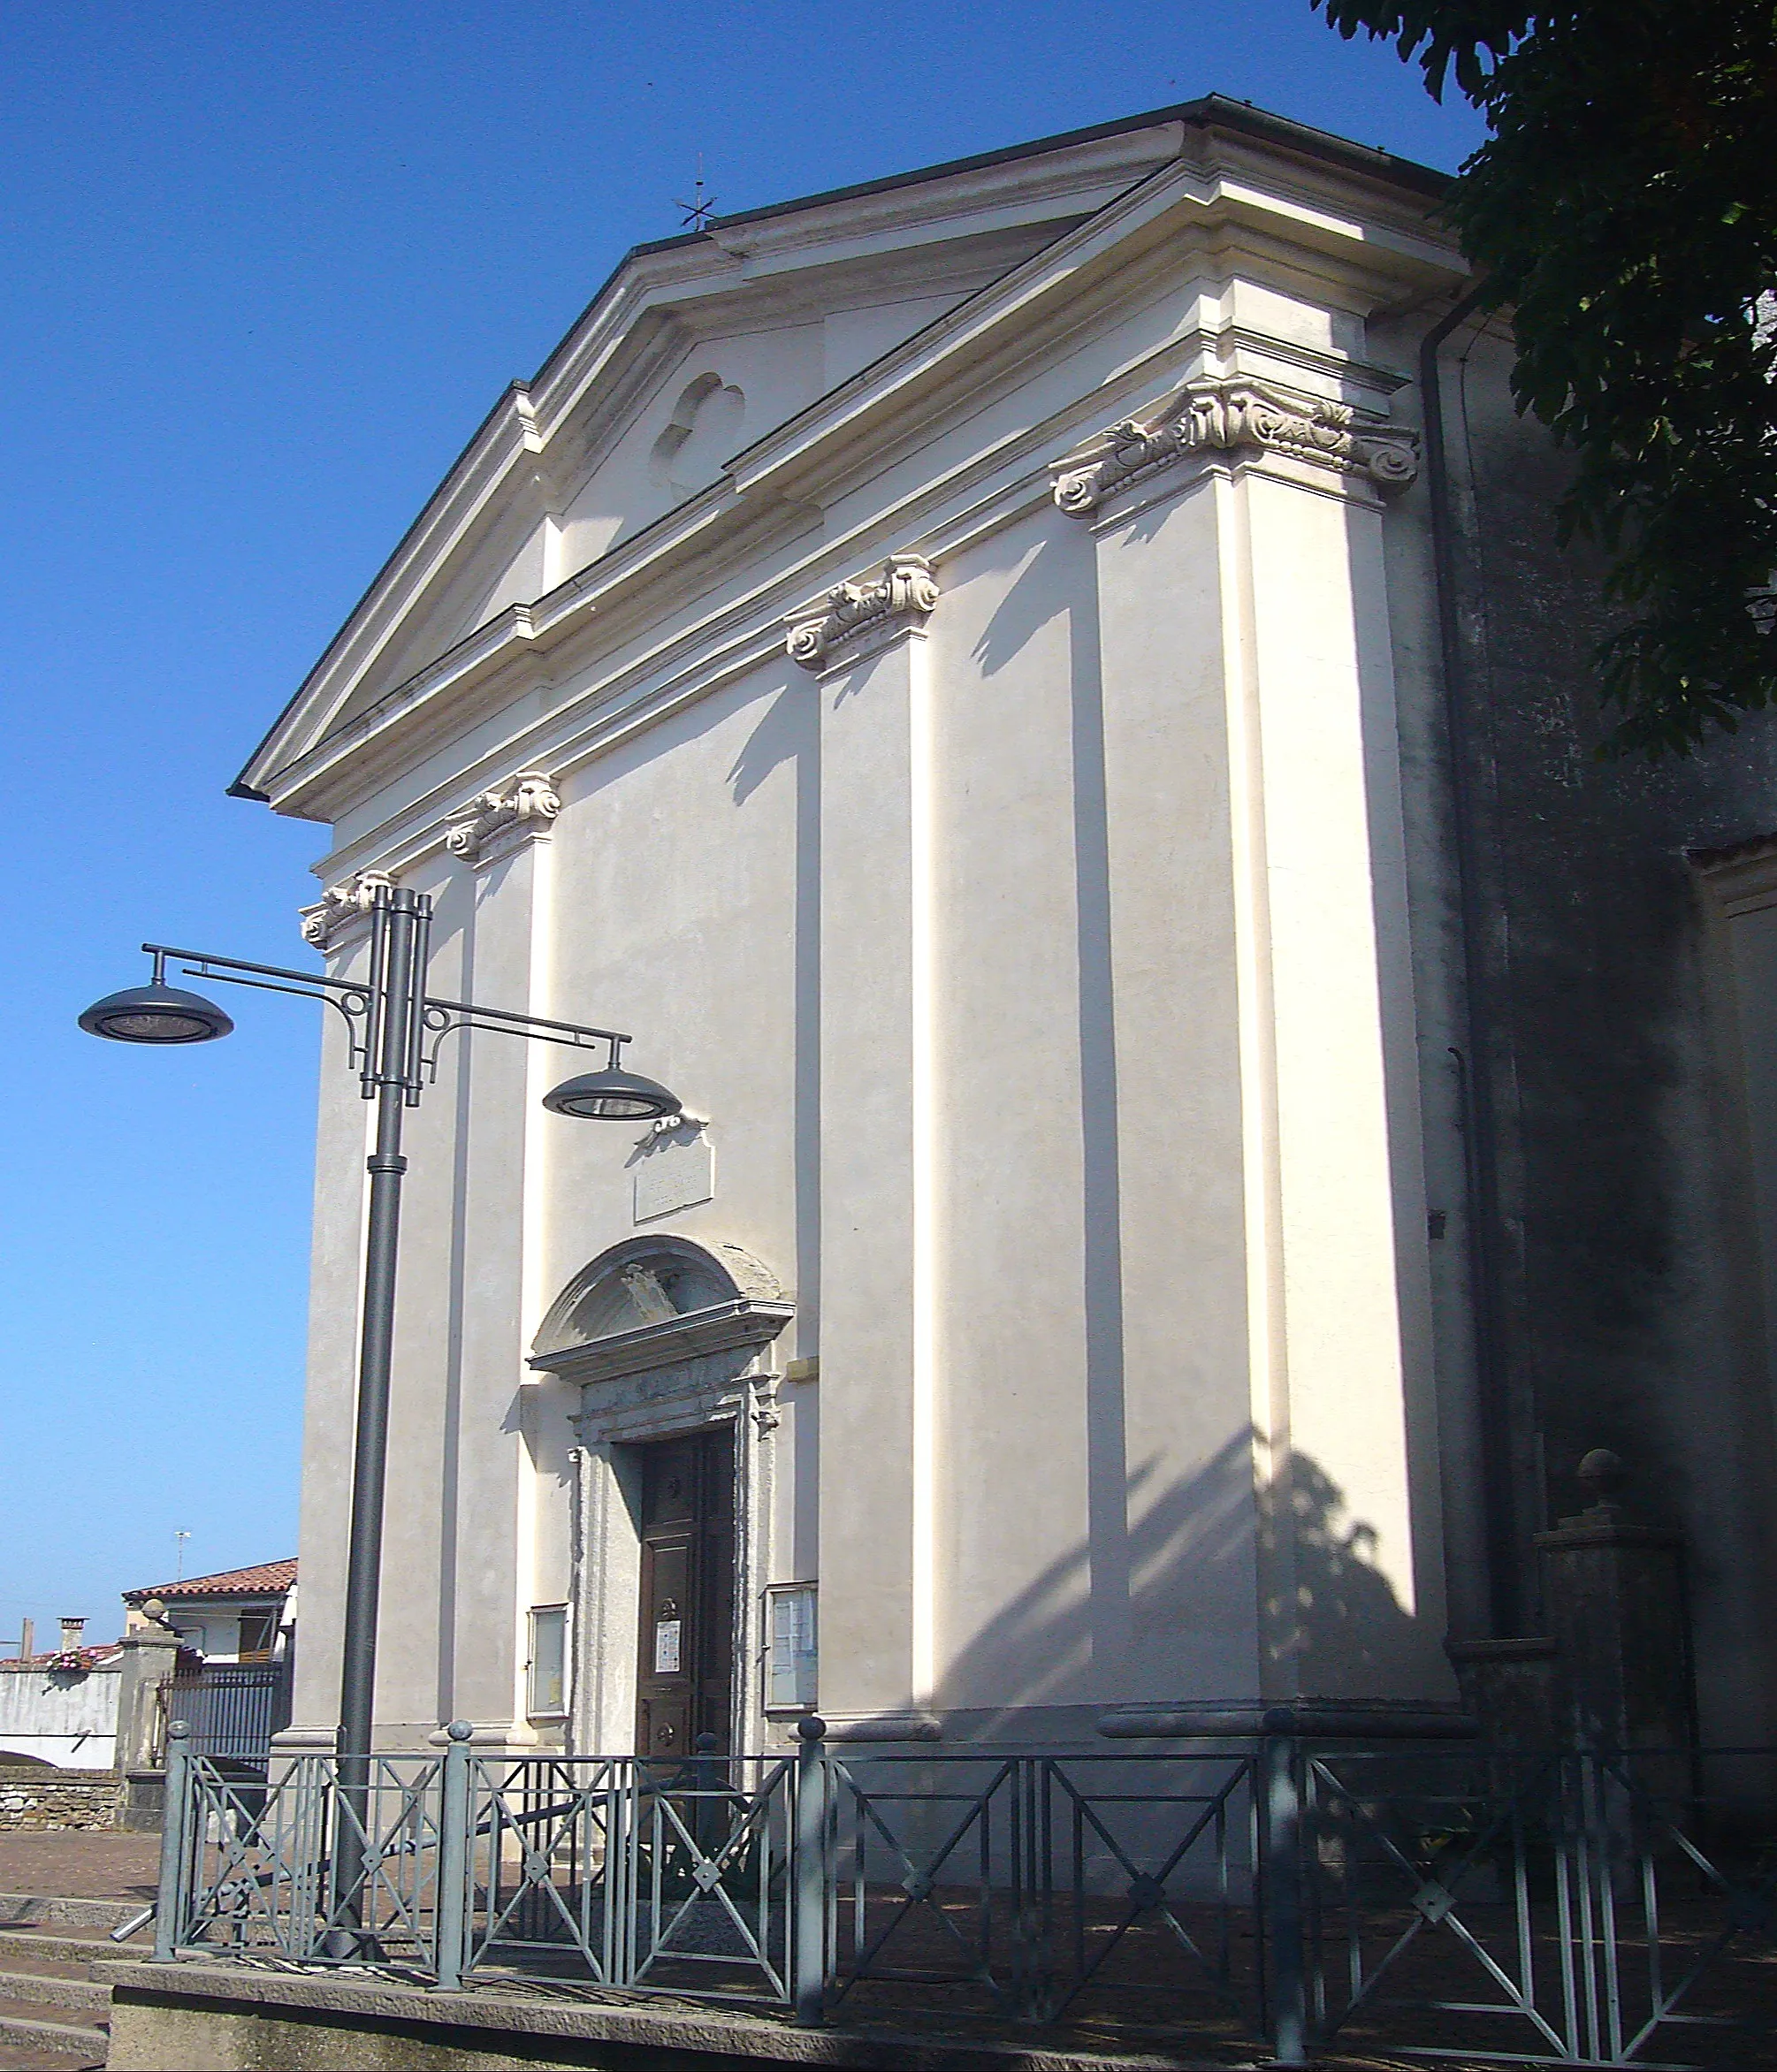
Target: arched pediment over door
654 1301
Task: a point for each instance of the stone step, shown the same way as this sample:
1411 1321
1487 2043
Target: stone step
28 1945
80 1995
32 1909
24 2029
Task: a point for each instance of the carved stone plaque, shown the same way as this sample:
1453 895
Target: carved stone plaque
677 1170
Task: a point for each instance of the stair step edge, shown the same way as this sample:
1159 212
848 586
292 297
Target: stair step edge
20 1945
25 1909
55 1992
53 2035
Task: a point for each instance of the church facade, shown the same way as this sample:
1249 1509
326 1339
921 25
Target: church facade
960 668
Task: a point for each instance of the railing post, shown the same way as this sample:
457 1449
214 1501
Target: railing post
810 1870
1280 1835
708 1819
175 1813
452 1906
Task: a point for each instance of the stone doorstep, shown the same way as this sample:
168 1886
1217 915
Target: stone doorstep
84 1996
662 2026
47 2011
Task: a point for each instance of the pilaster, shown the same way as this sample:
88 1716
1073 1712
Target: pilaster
489 1524
866 641
338 925
1245 648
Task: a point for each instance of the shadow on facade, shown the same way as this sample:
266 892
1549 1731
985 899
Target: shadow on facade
782 733
1229 1582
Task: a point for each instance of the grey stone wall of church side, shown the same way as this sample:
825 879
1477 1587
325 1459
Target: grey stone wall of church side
1633 1318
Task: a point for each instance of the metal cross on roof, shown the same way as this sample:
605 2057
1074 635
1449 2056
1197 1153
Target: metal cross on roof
698 210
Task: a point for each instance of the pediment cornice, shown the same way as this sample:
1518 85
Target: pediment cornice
1742 878
744 1322
1369 246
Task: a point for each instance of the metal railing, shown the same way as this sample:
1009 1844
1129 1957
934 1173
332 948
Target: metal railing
1455 1901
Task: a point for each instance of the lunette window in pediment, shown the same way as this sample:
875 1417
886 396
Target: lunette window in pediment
702 433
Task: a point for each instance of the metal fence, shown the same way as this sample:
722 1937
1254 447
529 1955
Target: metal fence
1451 1902
230 1710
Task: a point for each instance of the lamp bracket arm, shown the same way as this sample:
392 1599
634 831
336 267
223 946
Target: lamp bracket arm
575 1035
441 1018
350 1001
200 964
351 1007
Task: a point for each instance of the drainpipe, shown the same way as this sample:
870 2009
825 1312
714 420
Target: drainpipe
1479 1121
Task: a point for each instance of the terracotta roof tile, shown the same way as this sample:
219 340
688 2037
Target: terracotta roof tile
269 1579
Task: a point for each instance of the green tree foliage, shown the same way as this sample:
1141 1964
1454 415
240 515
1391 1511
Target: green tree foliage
1624 209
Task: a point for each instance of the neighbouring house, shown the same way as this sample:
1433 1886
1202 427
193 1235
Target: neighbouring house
241 1615
1204 1098
221 1651
60 1707
65 1707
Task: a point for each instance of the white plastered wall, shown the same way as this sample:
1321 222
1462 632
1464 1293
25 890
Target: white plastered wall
1045 976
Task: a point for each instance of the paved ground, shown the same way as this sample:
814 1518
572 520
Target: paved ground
76 1865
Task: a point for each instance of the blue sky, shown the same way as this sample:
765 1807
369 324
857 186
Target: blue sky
264 270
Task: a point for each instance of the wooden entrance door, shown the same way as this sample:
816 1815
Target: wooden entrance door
684 1681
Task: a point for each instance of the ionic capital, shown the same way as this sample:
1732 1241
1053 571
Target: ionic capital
495 823
853 617
1229 416
342 909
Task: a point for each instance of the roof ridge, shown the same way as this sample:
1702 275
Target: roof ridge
94 1650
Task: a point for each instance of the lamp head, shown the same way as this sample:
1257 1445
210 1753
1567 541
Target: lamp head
612 1096
156 1014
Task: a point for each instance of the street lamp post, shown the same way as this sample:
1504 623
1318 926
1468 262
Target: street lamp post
395 1029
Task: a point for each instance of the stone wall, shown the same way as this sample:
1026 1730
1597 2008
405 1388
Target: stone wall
46 1800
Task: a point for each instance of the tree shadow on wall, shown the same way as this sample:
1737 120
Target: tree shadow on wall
1223 1577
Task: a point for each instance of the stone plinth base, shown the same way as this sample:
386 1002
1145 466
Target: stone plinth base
1510 1685
195 2017
143 1803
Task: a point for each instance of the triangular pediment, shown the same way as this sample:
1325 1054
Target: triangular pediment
693 351
695 396
712 361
